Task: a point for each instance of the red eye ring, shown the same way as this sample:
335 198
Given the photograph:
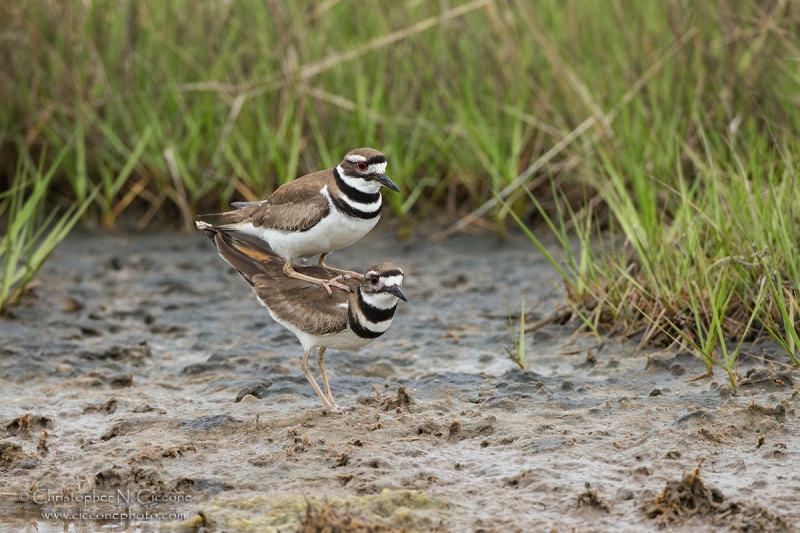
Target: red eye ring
373 279
362 166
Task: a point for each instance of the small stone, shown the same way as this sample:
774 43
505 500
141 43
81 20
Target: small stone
28 464
725 391
142 408
121 380
624 494
677 369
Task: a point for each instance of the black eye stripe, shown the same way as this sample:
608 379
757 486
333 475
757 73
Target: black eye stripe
376 159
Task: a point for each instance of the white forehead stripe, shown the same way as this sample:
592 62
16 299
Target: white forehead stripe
377 168
356 158
392 280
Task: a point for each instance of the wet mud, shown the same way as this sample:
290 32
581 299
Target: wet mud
143 377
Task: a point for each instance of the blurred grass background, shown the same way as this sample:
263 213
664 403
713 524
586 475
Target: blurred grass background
179 107
671 126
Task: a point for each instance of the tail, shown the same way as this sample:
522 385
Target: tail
230 219
209 230
242 205
226 221
249 259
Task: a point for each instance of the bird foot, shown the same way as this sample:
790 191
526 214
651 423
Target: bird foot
334 282
352 275
346 274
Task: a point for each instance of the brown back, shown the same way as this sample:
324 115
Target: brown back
295 206
305 305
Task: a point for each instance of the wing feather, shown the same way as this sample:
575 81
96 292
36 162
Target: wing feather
305 305
295 206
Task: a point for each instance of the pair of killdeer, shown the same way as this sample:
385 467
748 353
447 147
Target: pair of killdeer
316 214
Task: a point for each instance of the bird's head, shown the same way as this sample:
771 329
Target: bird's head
365 169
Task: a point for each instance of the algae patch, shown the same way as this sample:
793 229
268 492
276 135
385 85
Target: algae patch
389 511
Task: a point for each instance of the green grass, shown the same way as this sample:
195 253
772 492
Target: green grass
517 353
31 235
664 134
706 263
248 95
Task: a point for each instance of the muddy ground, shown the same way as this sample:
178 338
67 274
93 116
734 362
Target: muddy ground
145 366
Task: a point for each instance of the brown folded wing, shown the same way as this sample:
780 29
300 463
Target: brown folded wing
295 206
306 306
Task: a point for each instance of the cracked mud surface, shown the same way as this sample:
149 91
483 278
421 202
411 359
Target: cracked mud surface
146 364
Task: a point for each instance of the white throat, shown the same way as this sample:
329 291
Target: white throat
381 300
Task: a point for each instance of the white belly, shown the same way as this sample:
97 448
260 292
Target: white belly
334 232
343 340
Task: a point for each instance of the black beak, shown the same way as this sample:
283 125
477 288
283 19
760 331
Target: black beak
397 291
384 180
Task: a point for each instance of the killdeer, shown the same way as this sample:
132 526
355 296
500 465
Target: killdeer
318 213
343 321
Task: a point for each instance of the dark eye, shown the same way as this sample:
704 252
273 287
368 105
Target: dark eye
362 166
373 279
